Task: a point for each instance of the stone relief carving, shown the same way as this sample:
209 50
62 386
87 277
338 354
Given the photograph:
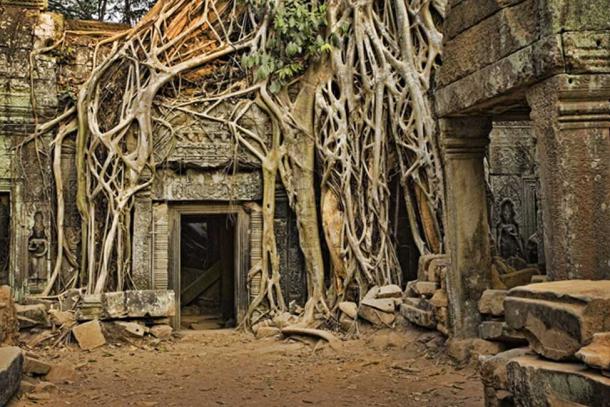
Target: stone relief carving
38 247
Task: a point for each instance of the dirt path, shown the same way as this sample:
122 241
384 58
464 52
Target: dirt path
208 368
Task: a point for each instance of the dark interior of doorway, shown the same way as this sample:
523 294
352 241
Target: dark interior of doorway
207 275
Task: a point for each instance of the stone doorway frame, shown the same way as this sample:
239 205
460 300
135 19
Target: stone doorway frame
241 249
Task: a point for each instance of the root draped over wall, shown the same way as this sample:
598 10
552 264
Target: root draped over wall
350 100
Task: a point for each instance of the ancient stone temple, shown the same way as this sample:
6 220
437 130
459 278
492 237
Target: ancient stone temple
516 280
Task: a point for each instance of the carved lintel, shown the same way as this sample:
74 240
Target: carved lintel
465 137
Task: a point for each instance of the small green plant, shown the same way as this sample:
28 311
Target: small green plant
296 40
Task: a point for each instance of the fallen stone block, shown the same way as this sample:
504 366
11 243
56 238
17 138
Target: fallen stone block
418 316
60 318
385 304
11 365
492 302
161 331
493 368
423 265
35 367
32 315
375 315
89 335
132 328
439 299
389 291
558 318
499 331
349 308
371 293
597 353
537 382
346 322
425 288
150 303
464 350
519 278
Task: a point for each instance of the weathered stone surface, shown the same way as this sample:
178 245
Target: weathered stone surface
439 299
35 367
382 304
62 317
467 13
428 266
150 303
371 293
11 364
114 304
349 308
89 335
493 368
376 316
537 382
9 326
425 287
161 331
499 331
463 350
597 353
90 307
418 316
559 317
389 291
518 278
492 302
133 328
31 315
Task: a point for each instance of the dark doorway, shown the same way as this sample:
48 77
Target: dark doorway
207 274
5 236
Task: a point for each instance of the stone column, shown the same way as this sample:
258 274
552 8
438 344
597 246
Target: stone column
467 227
571 118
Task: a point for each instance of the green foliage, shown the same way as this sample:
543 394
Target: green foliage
296 39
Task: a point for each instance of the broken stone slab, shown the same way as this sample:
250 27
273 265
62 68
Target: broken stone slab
418 316
349 308
89 335
161 331
537 382
499 331
560 317
375 315
11 365
492 302
426 288
382 304
597 353
35 367
389 291
32 315
132 328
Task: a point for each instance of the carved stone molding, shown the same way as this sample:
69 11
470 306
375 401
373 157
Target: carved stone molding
584 102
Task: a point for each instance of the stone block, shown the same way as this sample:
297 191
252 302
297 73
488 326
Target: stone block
382 304
423 266
90 307
89 335
267 331
150 303
60 318
492 302
493 368
560 317
132 328
61 374
161 331
11 365
439 299
425 288
537 382
114 304
389 291
519 278
499 331
437 268
9 326
597 353
472 349
35 367
32 315
376 316
418 316
349 308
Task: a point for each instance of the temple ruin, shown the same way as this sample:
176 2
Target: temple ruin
506 254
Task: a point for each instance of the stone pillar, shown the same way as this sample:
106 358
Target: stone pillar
142 253
571 118
467 227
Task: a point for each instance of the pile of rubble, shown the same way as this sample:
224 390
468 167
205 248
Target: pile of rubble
88 320
566 325
377 307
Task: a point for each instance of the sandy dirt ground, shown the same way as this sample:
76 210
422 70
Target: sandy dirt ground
225 367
